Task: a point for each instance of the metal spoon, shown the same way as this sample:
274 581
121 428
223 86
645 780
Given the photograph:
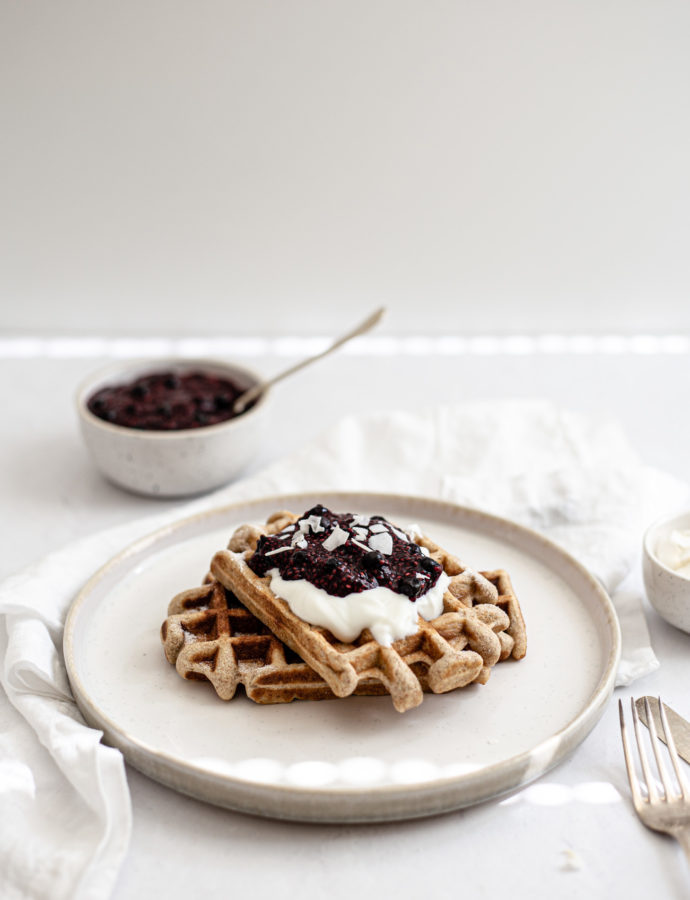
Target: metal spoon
246 398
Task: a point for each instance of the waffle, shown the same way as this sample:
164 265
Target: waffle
210 636
471 588
455 649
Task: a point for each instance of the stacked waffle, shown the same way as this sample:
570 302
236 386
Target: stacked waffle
236 629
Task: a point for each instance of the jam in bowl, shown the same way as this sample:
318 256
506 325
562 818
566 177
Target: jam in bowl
168 428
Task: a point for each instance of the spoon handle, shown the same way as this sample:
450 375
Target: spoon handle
244 399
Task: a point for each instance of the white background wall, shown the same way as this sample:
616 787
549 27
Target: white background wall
263 167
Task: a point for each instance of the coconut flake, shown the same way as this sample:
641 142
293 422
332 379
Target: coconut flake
335 539
400 534
377 528
311 523
300 541
360 520
360 533
382 542
277 550
360 545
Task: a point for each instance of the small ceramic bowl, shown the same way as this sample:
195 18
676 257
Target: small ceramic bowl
668 592
171 463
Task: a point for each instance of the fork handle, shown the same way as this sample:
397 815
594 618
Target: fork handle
682 835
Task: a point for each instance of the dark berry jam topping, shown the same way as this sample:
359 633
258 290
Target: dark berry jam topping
345 553
167 401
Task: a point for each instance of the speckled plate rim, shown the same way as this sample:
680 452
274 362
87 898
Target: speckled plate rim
372 803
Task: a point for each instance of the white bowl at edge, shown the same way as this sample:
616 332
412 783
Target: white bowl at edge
668 592
171 463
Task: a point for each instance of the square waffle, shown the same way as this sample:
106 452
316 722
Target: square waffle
471 588
210 636
455 649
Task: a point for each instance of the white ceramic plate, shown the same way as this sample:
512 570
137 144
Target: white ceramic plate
355 759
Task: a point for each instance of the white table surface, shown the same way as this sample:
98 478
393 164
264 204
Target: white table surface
571 834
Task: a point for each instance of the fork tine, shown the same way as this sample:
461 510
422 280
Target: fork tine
663 772
671 744
652 792
632 777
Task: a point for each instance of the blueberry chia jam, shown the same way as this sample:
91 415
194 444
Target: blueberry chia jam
167 401
346 553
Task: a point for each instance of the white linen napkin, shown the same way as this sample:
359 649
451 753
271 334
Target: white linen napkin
66 818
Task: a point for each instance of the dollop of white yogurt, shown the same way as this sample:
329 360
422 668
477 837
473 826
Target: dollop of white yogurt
674 552
388 615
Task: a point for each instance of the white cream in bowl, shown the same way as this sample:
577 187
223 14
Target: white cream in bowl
674 551
666 568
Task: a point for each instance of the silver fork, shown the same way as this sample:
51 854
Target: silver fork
666 810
